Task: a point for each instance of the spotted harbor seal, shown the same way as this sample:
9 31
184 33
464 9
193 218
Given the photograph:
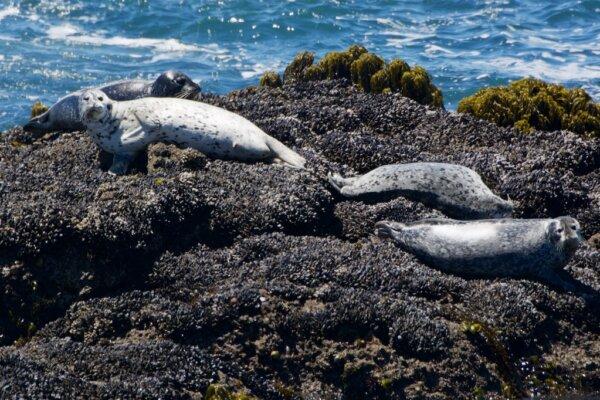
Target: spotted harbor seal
63 116
530 248
127 127
455 190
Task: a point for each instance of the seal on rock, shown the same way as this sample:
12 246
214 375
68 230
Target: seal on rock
127 127
63 116
530 248
455 190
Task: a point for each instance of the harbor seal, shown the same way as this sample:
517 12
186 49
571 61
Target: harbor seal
455 190
125 128
528 248
63 116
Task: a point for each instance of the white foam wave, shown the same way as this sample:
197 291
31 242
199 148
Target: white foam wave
8 11
408 39
542 69
255 70
399 35
434 49
72 34
556 45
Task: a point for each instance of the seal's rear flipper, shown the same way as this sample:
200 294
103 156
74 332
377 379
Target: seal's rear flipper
340 183
386 229
38 125
336 181
280 161
284 155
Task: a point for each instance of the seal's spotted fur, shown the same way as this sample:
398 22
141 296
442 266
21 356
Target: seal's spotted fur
63 116
125 128
534 248
455 190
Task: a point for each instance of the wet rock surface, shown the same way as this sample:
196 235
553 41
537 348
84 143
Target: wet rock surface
190 271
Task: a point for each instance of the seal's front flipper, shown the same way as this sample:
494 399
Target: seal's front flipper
562 280
120 164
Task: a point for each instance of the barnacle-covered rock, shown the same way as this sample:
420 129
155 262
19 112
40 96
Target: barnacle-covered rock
192 277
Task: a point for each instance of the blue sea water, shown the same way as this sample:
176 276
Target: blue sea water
49 48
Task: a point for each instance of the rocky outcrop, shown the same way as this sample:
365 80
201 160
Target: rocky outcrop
191 271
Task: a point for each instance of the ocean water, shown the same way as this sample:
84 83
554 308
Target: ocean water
50 47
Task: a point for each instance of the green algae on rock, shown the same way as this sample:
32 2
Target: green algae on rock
416 84
221 392
363 69
38 108
336 64
530 103
380 81
314 73
295 70
270 79
368 71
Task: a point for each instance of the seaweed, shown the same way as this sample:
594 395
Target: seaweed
295 70
336 65
368 71
38 108
380 81
530 103
270 79
363 69
416 84
220 392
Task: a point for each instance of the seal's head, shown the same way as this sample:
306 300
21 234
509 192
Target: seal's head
94 105
174 84
565 233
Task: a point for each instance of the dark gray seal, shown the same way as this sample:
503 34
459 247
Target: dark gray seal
455 190
63 116
527 248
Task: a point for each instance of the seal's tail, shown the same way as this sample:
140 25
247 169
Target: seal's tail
337 181
285 154
386 229
37 125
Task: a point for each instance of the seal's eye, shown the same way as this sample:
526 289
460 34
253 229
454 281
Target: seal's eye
101 98
574 227
559 230
86 98
109 107
180 80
